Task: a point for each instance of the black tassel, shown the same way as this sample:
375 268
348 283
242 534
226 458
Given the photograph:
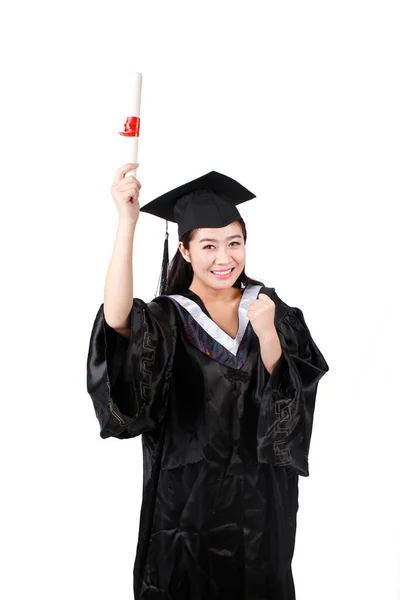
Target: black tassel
165 263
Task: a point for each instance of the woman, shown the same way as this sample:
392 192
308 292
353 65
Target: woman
219 376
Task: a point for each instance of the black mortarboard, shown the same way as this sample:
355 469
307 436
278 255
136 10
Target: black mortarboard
208 201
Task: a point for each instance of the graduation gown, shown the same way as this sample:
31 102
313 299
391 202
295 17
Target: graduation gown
223 441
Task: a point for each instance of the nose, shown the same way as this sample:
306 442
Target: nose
223 257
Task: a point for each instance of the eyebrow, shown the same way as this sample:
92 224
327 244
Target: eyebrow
213 240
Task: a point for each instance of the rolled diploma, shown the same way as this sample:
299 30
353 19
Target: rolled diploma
131 142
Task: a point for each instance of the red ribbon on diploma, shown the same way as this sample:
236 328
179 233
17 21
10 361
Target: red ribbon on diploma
131 127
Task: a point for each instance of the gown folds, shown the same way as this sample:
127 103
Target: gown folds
223 443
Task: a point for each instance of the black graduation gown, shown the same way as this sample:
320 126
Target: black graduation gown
223 443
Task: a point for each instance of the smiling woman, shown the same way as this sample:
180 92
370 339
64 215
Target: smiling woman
224 259
219 271
224 436
205 210
195 263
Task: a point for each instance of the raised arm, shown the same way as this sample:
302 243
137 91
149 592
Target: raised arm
128 376
118 289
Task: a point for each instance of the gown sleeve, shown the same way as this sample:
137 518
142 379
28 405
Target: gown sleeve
128 378
287 396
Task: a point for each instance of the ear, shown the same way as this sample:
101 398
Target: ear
183 251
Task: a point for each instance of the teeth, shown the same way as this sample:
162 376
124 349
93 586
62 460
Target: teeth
222 272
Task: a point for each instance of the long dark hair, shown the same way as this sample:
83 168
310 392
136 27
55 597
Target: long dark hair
180 272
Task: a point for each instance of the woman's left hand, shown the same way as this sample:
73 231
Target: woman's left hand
261 314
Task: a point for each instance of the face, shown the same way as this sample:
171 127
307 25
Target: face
216 249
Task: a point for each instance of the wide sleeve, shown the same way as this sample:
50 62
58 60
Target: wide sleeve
128 379
287 396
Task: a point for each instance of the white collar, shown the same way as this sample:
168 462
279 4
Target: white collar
232 344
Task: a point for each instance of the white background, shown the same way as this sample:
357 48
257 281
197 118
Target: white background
299 101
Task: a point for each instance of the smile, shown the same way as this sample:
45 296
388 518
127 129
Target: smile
223 274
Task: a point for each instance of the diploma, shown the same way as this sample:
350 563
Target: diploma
132 123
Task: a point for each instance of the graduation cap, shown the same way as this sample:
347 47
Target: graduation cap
208 201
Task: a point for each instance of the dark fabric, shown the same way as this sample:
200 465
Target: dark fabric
207 201
128 380
222 451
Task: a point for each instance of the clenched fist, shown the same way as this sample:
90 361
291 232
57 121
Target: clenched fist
261 315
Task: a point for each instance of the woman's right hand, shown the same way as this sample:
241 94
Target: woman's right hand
125 191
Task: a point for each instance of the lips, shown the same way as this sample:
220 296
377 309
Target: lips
225 276
222 270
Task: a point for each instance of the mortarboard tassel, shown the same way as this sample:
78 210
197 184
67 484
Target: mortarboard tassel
165 262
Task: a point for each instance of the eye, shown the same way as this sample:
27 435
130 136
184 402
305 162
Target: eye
211 245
